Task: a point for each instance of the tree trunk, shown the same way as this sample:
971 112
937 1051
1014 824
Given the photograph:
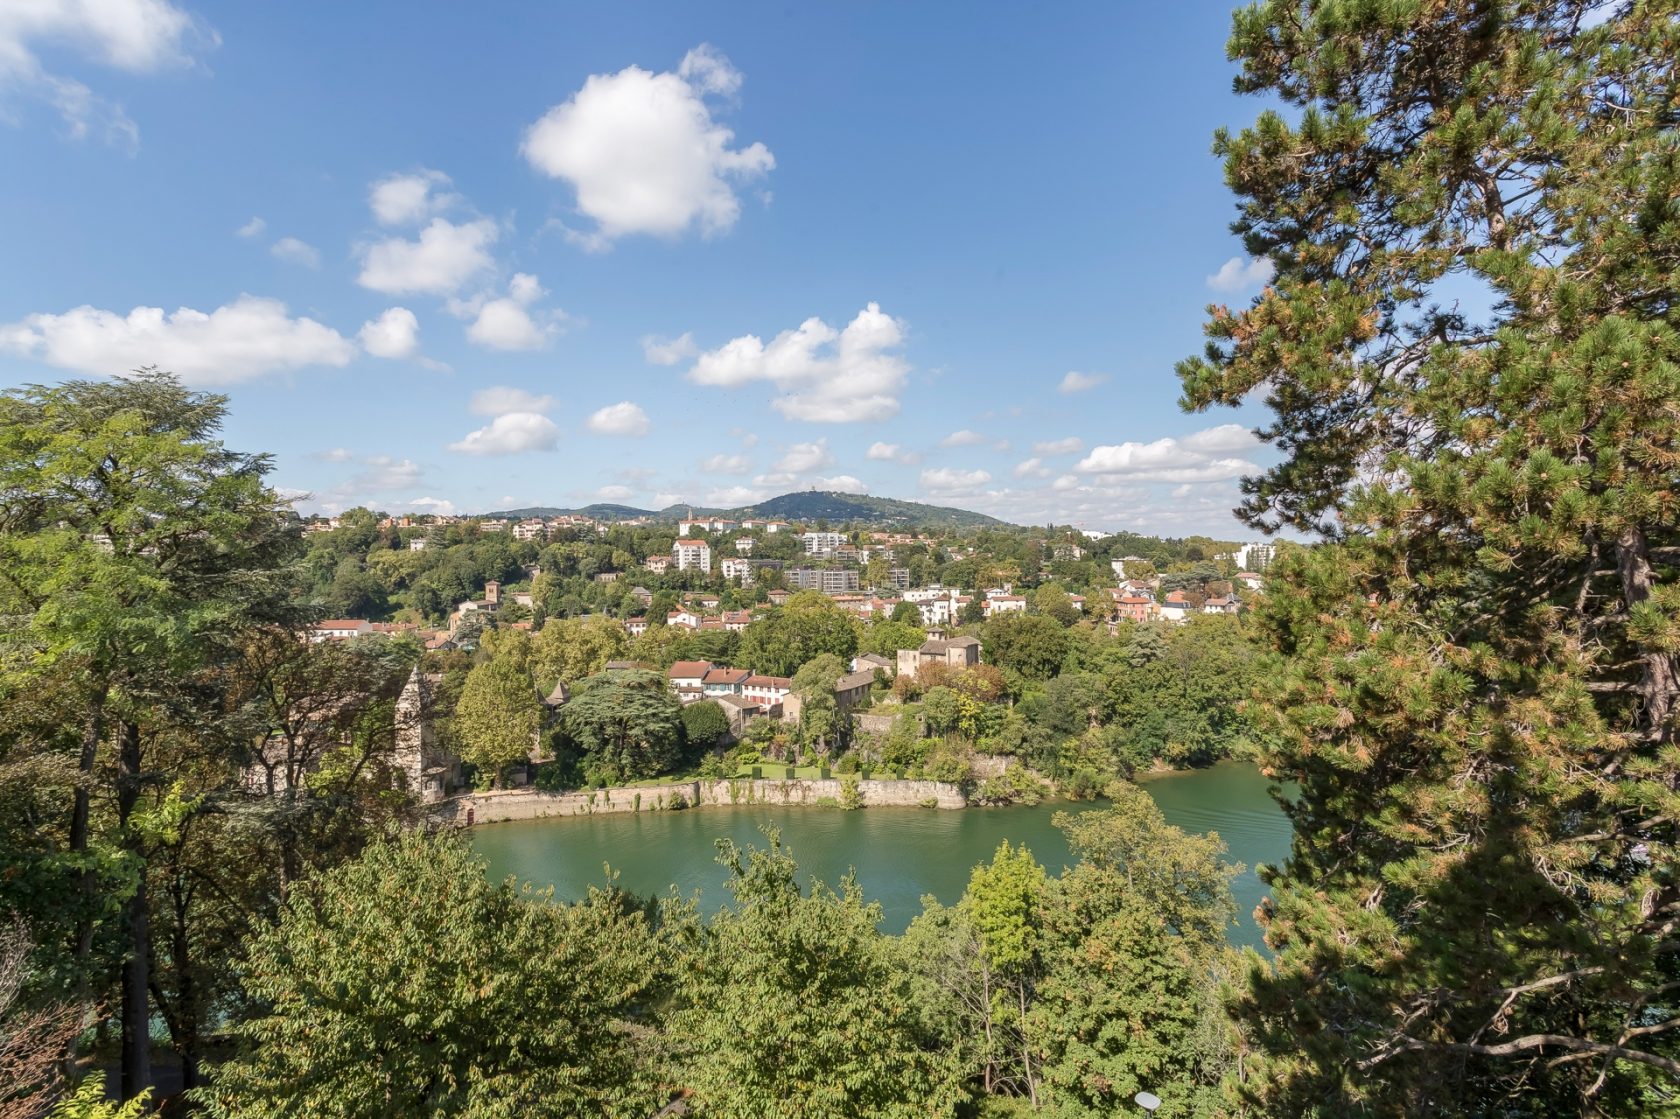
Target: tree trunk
1660 679
136 969
80 825
1026 1046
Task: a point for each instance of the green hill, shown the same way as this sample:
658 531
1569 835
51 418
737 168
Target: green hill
805 506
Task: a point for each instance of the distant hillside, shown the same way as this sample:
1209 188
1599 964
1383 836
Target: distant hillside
856 508
805 505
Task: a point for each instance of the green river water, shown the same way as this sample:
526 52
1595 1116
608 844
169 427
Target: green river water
899 854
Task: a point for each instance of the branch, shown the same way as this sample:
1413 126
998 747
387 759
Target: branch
1536 1042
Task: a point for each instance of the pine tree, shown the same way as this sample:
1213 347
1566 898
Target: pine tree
1470 346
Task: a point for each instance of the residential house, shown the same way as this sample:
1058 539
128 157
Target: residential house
692 555
736 620
530 530
874 662
958 652
636 626
1133 607
740 711
779 597
1224 604
743 545
657 564
721 681
850 691
1250 579
642 594
1077 601
767 690
1175 607
687 679
1004 604
737 567
684 616
339 629
417 544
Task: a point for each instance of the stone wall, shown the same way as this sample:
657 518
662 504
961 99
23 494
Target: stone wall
534 804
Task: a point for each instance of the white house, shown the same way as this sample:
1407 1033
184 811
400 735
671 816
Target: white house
1005 604
339 629
766 689
692 555
737 567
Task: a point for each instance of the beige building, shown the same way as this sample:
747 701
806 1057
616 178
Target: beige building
959 652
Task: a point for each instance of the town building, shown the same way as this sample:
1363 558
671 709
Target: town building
692 555
958 652
688 679
822 543
829 580
339 629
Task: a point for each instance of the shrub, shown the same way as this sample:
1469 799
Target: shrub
851 795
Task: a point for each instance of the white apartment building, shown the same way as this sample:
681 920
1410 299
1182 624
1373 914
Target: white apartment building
822 543
736 567
692 555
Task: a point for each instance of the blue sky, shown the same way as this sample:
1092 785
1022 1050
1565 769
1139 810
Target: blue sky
457 258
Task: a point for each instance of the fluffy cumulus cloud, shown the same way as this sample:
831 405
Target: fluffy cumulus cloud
623 418
510 433
644 152
508 322
252 228
1242 274
1080 382
439 261
950 480
1032 468
408 199
614 493
892 452
293 251
238 341
136 36
841 483
802 458
394 334
727 464
963 438
1204 456
1072 445
824 375
499 400
669 351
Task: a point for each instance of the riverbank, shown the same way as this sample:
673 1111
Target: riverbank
503 805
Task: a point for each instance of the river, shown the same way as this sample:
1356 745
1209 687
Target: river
900 854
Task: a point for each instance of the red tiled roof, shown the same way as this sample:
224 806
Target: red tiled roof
756 681
726 676
342 623
689 668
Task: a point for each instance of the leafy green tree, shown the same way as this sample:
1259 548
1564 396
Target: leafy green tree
808 625
404 983
907 613
1052 601
571 648
704 724
499 715
886 638
135 549
794 1009
628 722
1005 905
820 718
1478 914
1030 644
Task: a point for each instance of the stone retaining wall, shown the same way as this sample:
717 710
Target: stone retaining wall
534 804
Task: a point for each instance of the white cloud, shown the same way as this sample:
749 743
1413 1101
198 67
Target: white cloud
1072 445
137 36
510 434
1065 482
1224 439
499 400
444 257
623 418
410 199
776 481
1032 468
963 438
951 480
728 497
394 334
644 153
293 251
841 483
825 375
727 464
1080 382
435 505
1242 273
669 351
1191 459
252 228
802 458
614 493
386 473
892 452
507 323
235 342
337 454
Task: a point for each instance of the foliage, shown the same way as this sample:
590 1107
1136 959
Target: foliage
1479 700
808 625
628 722
571 648
1030 644
793 1007
405 983
704 724
499 715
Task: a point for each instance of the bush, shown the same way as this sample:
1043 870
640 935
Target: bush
851 796
848 763
1083 784
1015 785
